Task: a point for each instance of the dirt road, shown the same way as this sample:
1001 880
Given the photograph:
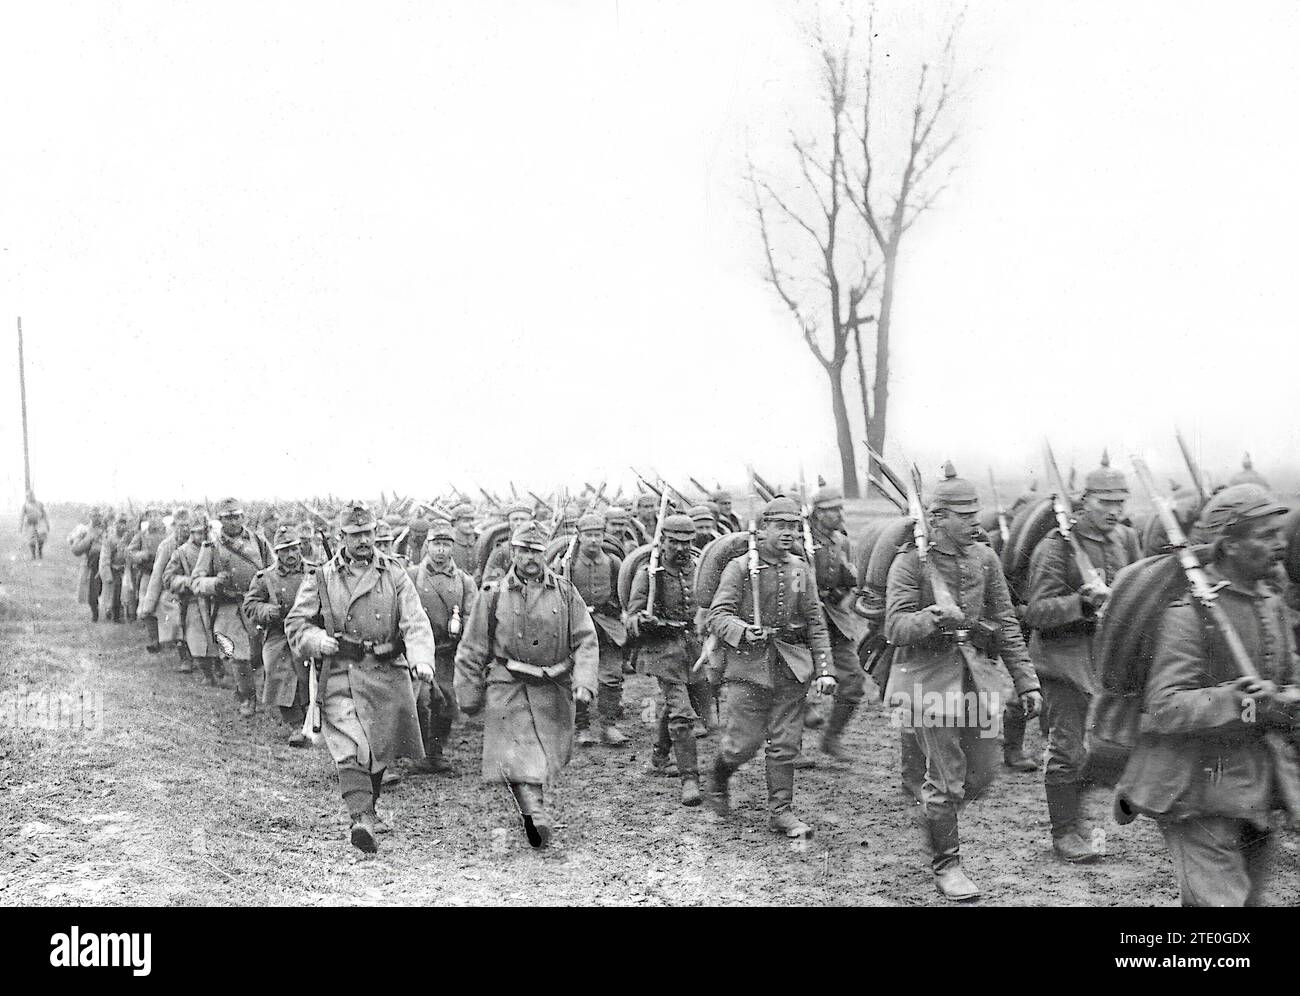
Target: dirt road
175 800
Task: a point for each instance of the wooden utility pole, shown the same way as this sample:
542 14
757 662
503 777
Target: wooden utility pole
22 393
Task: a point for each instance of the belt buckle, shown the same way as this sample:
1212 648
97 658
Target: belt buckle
961 636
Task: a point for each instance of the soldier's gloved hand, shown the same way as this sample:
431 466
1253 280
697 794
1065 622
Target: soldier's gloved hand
825 685
274 613
634 626
755 634
945 614
582 696
1255 687
425 674
1032 703
328 646
1095 595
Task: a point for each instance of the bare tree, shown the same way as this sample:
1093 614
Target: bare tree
833 232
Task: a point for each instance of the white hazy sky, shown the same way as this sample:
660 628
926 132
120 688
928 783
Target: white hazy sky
289 248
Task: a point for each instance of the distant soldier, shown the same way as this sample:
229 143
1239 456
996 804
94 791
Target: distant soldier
141 553
944 684
528 653
836 586
722 498
1248 475
155 598
668 647
195 623
595 574
466 541
270 597
223 575
518 514
361 614
35 526
447 593
1062 609
768 664
112 567
268 524
617 526
411 547
647 511
1216 754
706 527
86 541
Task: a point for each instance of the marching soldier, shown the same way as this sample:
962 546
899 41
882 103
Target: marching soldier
836 585
944 683
706 527
617 522
194 623
86 541
35 526
595 574
270 597
360 613
722 498
447 594
112 567
155 596
1216 753
669 646
411 548
647 510
769 660
1062 610
463 547
223 575
528 653
141 555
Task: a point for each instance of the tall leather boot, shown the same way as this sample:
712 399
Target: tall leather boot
780 801
439 734
185 661
841 713
358 795
1013 739
911 762
1068 842
244 687
151 631
718 794
608 704
688 766
582 725
945 843
376 789
532 809
701 702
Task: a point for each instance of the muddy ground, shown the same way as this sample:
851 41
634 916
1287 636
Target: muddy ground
176 800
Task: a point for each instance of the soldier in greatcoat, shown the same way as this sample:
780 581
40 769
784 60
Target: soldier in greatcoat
1062 612
361 615
194 623
945 686
35 526
1216 755
86 541
595 574
222 577
528 653
269 598
465 546
141 555
447 594
159 607
769 665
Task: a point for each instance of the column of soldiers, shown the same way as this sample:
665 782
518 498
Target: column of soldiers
404 637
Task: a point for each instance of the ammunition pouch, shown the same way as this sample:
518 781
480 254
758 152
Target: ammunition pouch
984 636
791 634
353 649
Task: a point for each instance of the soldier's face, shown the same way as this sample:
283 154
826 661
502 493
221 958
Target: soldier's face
960 527
677 550
780 534
829 519
181 528
529 564
1105 513
724 506
1255 554
589 541
439 551
465 526
289 556
517 519
198 532
360 545
231 523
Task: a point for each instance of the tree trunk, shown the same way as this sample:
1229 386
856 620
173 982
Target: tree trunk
877 418
843 431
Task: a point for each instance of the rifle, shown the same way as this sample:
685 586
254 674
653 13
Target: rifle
1003 528
805 513
755 565
686 502
889 496
708 495
513 492
655 545
540 501
895 481
600 494
490 499
921 534
658 492
758 486
1193 468
1065 521
312 722
772 492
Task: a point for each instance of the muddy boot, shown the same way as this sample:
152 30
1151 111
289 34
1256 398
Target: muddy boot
184 661
583 734
532 810
151 631
1013 740
945 844
439 734
661 764
205 668
688 766
718 794
363 832
358 795
244 693
780 799
219 673
1068 842
377 782
841 713
608 705
700 699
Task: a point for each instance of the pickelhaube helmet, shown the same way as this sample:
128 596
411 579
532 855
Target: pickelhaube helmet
1237 504
441 529
954 493
285 536
828 496
1105 481
357 518
1248 474
530 536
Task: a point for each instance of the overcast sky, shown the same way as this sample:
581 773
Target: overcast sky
290 248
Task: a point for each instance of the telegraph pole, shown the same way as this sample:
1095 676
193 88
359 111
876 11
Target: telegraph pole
22 393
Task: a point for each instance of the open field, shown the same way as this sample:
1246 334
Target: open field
178 801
